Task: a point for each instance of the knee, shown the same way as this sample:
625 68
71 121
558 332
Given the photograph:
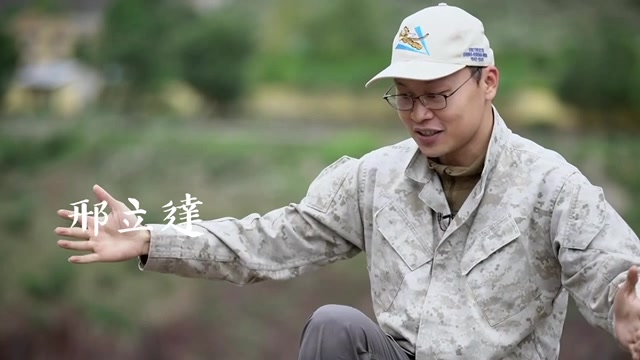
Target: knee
333 332
336 316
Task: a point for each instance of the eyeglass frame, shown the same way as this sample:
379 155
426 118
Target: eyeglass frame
386 95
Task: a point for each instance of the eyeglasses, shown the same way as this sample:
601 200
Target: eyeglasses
405 102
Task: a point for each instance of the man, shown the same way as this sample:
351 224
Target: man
474 236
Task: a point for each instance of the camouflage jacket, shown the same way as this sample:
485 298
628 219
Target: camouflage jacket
493 285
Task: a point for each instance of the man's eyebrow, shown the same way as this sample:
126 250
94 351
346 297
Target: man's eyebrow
444 90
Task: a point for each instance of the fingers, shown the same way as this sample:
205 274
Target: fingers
65 214
103 195
76 245
84 259
68 215
632 280
78 233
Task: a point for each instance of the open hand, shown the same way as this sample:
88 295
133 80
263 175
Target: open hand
627 314
110 242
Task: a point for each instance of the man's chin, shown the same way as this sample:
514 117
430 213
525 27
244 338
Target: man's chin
431 152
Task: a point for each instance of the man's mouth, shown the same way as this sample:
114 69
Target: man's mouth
428 132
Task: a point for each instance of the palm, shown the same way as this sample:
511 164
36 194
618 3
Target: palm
627 314
626 331
111 241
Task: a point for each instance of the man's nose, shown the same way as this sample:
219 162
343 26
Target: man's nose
420 113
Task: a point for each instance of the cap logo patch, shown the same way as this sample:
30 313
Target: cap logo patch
413 41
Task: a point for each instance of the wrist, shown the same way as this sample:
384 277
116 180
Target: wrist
145 239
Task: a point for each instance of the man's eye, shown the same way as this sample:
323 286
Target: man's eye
431 96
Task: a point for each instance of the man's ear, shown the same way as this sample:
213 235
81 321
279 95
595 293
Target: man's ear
490 81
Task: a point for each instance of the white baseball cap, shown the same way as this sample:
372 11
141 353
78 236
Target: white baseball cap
435 42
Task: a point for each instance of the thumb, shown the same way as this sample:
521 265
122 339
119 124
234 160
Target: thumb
103 195
632 280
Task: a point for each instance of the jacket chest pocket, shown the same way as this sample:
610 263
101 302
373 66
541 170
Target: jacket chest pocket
395 253
497 271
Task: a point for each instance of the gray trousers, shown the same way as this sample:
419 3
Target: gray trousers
337 332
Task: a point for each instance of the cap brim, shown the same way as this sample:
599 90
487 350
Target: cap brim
416 70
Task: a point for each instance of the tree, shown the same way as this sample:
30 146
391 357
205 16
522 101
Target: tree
9 56
215 54
601 76
138 44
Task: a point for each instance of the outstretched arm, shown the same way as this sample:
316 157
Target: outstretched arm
598 253
325 227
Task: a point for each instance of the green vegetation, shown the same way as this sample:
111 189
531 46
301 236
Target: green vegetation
145 45
215 54
8 57
602 76
137 43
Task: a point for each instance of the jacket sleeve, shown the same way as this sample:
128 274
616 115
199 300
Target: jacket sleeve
324 227
595 248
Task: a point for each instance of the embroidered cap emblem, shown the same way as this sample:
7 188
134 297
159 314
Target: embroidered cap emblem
415 40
